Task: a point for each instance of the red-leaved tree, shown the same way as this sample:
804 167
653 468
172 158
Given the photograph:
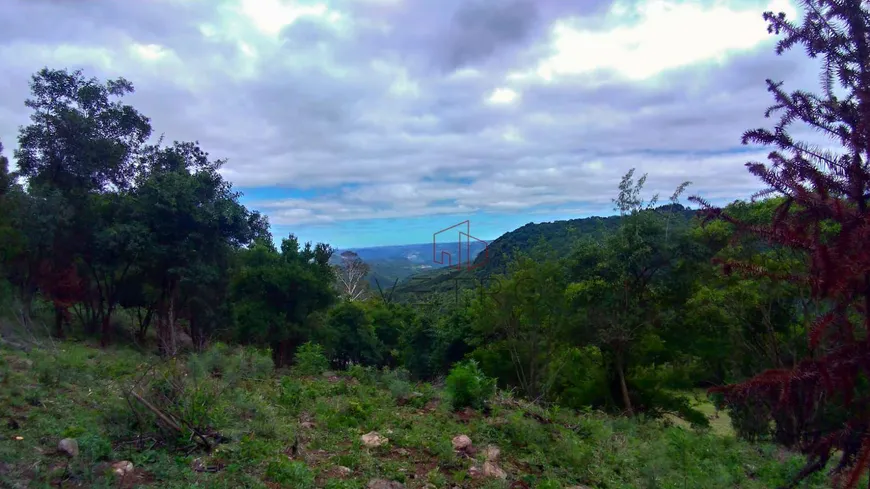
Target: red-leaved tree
824 396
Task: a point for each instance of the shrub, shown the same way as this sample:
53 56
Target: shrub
467 386
290 473
751 419
365 375
310 359
291 394
232 364
399 388
95 447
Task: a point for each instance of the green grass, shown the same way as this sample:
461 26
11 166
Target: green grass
720 422
77 391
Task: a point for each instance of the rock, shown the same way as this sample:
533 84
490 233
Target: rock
474 472
461 442
185 342
373 439
384 484
122 468
344 471
492 452
402 452
429 485
69 446
492 470
307 425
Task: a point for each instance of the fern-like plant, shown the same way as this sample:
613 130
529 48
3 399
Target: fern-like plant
820 404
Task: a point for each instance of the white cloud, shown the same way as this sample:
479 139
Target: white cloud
502 96
418 107
668 34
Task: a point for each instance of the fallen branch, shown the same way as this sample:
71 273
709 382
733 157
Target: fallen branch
169 420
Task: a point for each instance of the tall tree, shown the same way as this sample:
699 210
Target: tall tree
82 140
825 216
616 283
275 294
351 273
81 137
193 220
525 315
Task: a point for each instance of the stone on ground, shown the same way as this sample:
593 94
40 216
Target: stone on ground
461 442
373 439
490 469
123 467
69 446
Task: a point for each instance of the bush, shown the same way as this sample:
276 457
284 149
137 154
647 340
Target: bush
364 375
399 388
231 364
95 447
467 386
290 473
310 359
291 395
750 419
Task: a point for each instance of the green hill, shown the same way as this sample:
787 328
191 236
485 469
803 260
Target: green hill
559 236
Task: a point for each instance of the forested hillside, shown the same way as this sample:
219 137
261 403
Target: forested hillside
560 237
156 334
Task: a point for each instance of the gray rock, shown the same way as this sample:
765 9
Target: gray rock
69 446
490 469
461 442
123 467
373 439
492 452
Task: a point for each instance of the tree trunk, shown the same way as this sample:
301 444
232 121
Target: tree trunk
26 305
282 353
144 323
167 336
197 334
623 386
106 328
58 321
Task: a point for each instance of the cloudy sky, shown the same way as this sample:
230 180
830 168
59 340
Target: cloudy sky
369 122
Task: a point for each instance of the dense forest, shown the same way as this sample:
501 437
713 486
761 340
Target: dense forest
111 238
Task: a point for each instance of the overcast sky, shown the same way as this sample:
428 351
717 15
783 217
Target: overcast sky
368 122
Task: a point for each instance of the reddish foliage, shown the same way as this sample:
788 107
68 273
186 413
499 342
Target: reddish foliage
62 286
825 215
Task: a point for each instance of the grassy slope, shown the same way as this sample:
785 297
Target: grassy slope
76 391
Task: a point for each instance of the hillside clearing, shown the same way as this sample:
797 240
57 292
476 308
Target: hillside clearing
286 430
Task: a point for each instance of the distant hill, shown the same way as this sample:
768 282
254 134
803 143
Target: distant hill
389 263
561 236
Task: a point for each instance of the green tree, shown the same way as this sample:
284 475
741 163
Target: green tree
194 223
82 138
82 141
353 336
276 293
617 284
526 314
